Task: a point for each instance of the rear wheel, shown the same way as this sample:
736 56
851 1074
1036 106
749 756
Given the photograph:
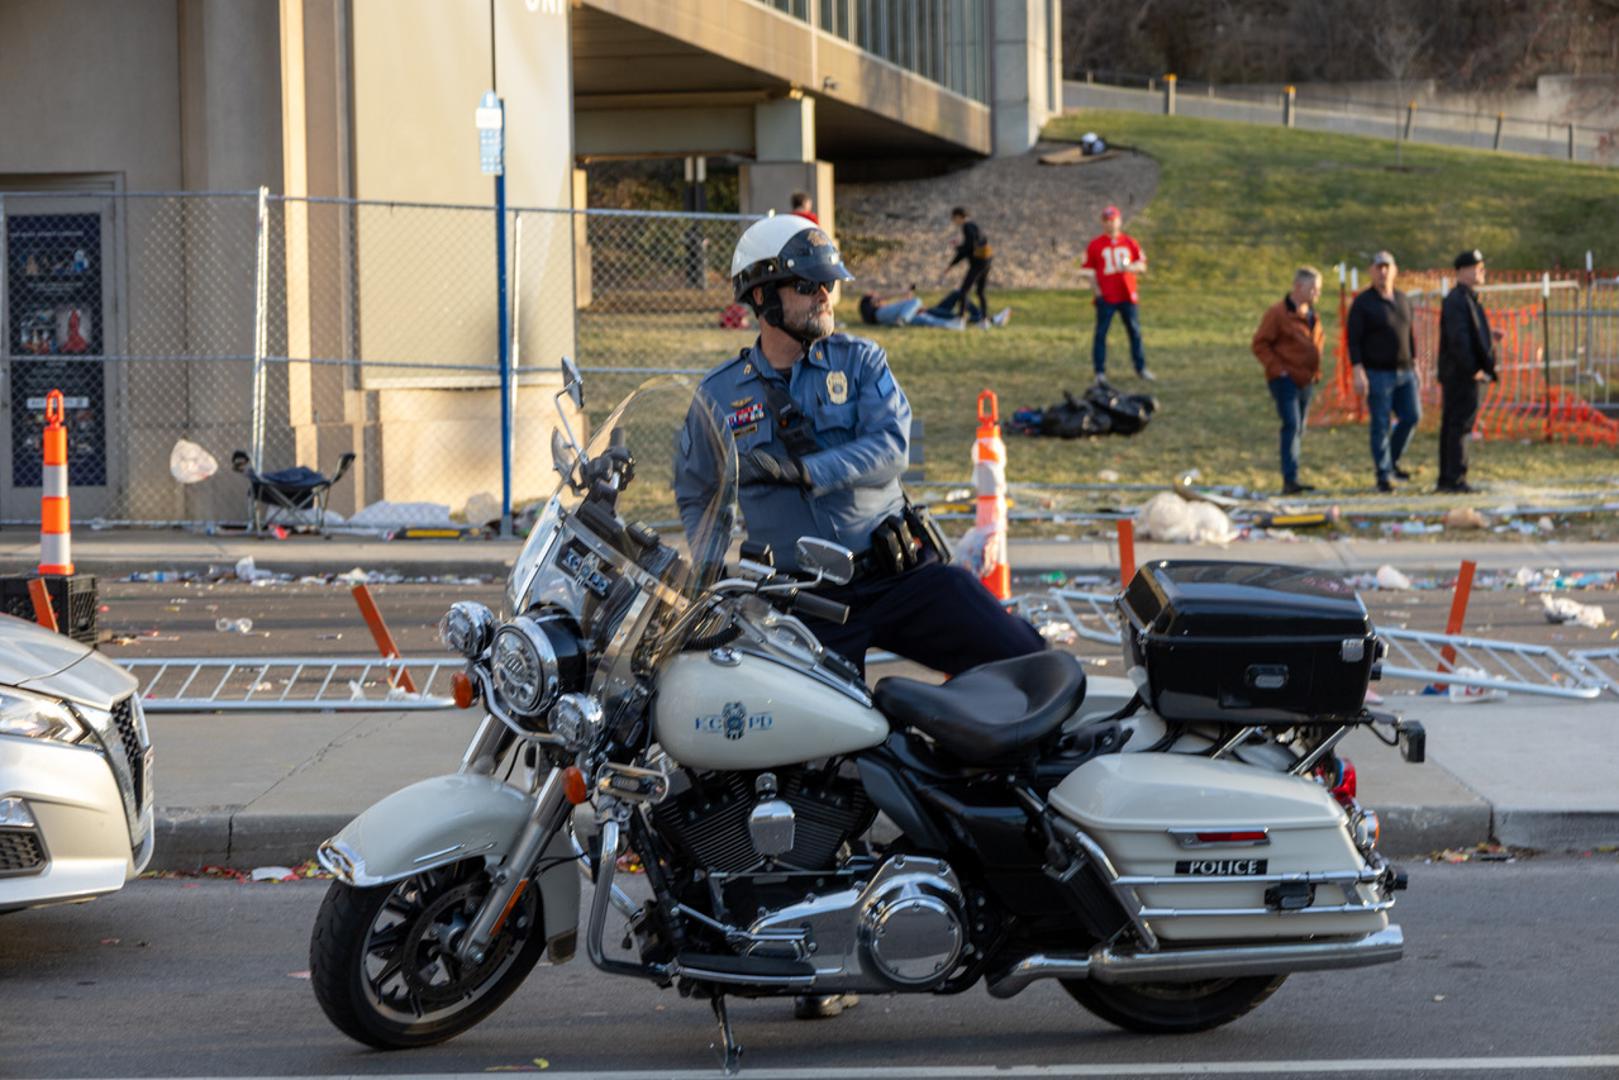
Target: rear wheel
383 963
1173 1008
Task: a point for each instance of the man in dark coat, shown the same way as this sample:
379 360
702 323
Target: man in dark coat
1466 358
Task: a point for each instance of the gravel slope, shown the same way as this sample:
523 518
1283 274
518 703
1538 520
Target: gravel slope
1038 218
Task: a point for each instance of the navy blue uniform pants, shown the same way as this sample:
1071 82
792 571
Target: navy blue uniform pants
937 615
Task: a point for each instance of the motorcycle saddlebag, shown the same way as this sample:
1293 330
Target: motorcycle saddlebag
1248 643
1204 843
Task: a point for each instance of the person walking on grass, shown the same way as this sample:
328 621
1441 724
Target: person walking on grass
1466 358
1112 261
1382 350
1288 345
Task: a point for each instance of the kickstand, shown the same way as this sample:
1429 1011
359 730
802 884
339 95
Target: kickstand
730 1050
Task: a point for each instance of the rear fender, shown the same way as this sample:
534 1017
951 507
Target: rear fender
446 819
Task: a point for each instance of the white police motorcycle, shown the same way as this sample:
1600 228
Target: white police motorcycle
1170 866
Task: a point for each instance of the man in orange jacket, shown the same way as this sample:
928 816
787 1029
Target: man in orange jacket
1288 345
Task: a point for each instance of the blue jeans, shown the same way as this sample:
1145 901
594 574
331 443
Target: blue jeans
1292 404
1396 392
909 312
1132 327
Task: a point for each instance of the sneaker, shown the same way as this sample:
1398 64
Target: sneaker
1101 378
1296 488
1385 485
822 1006
1461 487
959 323
1002 317
1402 474
1144 373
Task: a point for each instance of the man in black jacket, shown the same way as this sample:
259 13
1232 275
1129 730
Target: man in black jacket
974 248
1466 358
1382 349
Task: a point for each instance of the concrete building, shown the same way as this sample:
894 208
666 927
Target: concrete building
142 309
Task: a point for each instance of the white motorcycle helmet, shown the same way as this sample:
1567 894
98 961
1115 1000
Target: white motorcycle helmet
779 249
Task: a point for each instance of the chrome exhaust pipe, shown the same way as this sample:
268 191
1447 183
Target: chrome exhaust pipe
1105 964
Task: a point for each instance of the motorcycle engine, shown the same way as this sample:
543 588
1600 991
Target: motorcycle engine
707 818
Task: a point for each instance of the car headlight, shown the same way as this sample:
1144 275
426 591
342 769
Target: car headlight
534 660
467 627
34 716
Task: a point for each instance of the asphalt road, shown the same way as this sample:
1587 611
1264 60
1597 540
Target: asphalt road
1509 972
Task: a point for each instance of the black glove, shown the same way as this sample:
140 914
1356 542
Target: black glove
766 466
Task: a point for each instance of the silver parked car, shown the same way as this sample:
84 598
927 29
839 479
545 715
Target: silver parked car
75 771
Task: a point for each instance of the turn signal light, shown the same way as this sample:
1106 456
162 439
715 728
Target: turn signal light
573 785
461 688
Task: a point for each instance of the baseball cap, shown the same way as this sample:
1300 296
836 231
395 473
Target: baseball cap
1110 211
1469 258
1383 257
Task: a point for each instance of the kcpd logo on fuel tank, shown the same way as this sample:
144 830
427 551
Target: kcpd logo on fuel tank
734 721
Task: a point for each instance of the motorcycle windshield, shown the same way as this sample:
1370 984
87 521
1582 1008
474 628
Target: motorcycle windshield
662 461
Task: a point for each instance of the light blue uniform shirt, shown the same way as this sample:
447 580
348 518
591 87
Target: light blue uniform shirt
862 426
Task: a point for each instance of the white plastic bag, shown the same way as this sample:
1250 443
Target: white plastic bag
190 463
1390 578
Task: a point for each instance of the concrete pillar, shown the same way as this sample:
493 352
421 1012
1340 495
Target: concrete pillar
230 138
581 241
1025 34
784 161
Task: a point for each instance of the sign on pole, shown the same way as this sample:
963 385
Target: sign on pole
491 121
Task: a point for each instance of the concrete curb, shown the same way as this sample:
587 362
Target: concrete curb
188 840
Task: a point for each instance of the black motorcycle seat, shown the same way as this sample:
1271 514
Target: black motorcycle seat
992 713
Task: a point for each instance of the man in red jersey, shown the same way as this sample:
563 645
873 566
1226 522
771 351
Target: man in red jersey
1112 262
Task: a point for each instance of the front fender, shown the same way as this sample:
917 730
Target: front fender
443 820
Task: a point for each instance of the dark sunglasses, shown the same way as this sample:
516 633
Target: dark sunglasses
805 287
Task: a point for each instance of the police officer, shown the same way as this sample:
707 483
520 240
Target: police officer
822 433
1466 358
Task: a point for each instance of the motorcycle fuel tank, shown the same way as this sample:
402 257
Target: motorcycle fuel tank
731 710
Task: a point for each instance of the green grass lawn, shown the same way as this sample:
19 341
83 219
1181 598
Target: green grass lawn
1237 209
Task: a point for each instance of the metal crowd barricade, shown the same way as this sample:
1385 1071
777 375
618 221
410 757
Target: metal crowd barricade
1592 662
1506 665
283 684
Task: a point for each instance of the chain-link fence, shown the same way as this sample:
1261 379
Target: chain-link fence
291 333
652 289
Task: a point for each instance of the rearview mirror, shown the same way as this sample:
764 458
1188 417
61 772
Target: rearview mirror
573 383
834 562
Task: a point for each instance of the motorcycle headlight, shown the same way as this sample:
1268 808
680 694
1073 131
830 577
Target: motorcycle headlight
467 628
34 716
1366 829
535 660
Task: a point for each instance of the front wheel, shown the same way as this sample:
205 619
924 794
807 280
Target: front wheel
383 964
1173 1008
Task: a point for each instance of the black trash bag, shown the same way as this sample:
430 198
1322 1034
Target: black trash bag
1127 413
1073 418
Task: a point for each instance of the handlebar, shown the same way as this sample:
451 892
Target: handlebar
819 607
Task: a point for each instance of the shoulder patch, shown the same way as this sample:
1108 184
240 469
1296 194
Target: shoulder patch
885 383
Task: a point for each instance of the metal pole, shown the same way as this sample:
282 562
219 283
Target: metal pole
505 360
261 325
1590 312
516 336
1571 142
1500 120
1169 94
1546 345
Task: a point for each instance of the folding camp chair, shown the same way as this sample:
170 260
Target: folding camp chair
289 494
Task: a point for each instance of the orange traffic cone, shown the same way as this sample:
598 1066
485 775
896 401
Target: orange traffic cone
989 479
55 534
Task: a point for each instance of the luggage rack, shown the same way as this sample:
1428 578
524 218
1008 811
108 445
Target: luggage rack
283 683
